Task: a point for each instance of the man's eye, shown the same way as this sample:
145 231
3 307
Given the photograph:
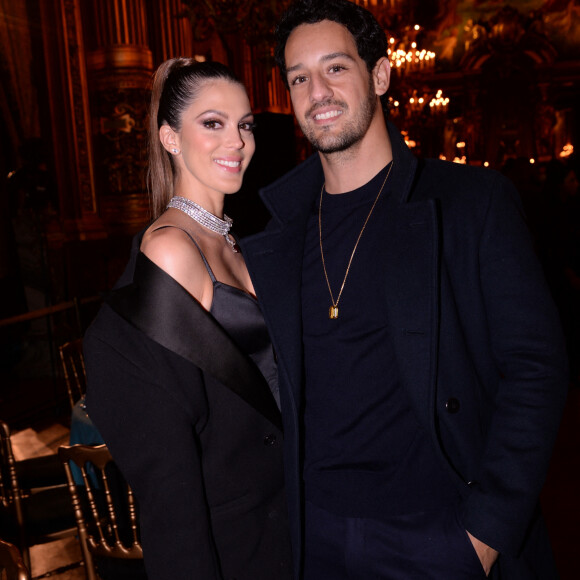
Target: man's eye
298 80
336 68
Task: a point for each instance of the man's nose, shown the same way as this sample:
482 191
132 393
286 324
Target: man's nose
320 89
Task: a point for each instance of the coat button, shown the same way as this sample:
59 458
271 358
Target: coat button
452 405
270 439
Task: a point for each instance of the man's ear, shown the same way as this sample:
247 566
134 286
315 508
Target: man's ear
382 75
169 139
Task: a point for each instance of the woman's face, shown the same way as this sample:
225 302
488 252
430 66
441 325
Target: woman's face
216 141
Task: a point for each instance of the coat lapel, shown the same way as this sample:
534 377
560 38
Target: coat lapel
410 264
163 310
274 260
276 268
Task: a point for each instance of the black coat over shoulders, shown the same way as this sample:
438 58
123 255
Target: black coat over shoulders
195 430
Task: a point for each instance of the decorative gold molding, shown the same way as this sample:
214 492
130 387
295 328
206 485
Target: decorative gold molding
118 57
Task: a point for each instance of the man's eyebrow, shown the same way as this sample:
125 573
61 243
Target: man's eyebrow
324 58
334 55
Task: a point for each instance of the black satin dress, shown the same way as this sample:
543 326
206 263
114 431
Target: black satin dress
240 316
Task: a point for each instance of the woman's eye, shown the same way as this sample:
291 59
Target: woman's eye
248 127
211 124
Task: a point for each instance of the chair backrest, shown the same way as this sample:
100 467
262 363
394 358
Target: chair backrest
10 493
73 368
11 564
30 515
104 505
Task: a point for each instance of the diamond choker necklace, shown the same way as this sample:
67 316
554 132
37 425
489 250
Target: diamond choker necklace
205 218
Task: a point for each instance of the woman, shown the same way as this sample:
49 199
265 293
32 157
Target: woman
181 372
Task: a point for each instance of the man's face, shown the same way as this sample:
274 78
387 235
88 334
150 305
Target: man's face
332 92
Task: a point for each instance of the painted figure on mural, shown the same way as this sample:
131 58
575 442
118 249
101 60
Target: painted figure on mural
545 122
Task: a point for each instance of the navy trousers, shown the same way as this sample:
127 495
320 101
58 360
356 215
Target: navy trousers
424 546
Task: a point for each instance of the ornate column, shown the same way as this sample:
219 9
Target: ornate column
70 117
119 68
172 34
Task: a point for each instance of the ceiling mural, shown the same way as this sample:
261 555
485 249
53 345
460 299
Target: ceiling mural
452 27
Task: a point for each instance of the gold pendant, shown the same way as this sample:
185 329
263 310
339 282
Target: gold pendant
333 312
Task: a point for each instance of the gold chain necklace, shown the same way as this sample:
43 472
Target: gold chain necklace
333 310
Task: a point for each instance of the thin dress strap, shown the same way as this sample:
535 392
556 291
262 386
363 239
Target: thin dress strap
209 270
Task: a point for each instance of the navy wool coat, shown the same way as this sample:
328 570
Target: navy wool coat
476 337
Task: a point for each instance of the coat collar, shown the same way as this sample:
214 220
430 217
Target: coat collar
290 197
161 308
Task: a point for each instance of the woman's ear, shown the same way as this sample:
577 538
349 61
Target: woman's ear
169 139
382 75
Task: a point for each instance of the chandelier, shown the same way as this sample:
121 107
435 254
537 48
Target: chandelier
406 57
438 104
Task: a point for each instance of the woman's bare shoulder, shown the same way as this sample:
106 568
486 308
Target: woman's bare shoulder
173 251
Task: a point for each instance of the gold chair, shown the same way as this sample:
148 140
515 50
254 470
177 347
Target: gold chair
36 513
73 368
11 564
105 511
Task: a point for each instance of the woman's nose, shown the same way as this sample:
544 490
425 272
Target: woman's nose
234 138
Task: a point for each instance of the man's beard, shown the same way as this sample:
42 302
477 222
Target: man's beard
353 131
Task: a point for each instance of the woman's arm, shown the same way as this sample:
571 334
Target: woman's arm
133 397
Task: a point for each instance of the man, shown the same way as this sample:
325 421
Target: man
422 373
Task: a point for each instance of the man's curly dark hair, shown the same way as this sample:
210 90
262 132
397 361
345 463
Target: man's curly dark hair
370 38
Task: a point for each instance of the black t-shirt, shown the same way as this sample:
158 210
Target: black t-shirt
362 441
